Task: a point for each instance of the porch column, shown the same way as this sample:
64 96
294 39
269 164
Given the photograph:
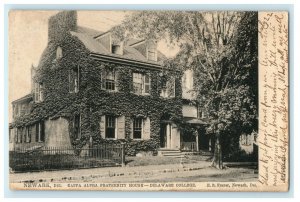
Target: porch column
168 131
197 140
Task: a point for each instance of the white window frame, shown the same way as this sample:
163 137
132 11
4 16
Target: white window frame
116 127
114 80
59 53
143 83
142 128
39 92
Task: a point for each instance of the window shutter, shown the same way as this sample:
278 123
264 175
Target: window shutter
103 79
102 127
147 82
146 129
71 81
41 89
121 127
37 132
42 128
78 77
29 133
131 127
117 79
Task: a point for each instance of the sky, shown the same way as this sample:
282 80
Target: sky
28 35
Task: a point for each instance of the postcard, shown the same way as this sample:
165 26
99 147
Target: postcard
148 100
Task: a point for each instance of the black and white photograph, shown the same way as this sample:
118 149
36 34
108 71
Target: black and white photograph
148 100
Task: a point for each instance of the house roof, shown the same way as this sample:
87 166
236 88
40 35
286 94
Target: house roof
87 37
89 31
23 99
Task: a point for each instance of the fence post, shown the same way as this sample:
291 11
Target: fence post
123 154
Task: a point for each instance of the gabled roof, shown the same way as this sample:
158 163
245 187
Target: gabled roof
26 98
88 38
89 31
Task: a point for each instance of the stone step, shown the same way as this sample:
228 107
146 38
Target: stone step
174 153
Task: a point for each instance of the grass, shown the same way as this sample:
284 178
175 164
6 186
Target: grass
161 160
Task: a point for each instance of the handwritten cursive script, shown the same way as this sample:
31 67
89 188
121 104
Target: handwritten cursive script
273 98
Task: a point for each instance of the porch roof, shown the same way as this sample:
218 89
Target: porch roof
195 121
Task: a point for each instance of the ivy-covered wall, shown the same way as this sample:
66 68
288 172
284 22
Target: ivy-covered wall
91 102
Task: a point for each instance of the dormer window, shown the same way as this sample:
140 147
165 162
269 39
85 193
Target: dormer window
117 48
59 53
151 51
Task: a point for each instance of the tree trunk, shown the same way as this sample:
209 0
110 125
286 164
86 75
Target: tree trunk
217 159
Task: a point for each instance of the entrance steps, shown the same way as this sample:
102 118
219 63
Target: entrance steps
175 153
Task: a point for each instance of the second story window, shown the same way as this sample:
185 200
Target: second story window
39 92
141 83
59 53
108 80
74 75
168 91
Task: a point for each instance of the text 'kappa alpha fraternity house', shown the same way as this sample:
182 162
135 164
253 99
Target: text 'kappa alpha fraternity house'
90 87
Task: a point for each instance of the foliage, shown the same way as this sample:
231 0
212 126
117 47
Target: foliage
92 102
221 48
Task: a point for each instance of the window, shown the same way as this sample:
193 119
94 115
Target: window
169 89
19 135
76 125
40 132
110 130
58 53
146 84
137 83
116 49
39 92
28 134
137 128
74 75
110 80
141 83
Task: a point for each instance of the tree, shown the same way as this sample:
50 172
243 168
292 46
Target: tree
221 48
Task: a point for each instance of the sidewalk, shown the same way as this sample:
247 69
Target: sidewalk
107 172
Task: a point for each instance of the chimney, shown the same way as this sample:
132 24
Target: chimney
61 24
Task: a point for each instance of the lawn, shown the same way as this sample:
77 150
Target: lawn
161 160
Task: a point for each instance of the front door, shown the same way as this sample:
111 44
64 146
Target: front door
163 135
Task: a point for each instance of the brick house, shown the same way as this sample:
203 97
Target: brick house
89 88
